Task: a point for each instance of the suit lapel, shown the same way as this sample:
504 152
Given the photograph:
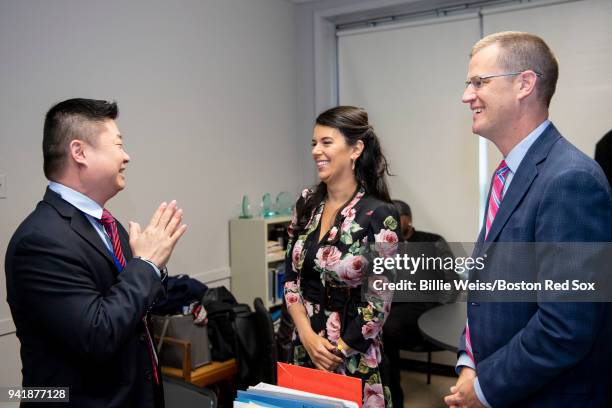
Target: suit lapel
521 182
84 228
524 177
78 222
480 240
124 238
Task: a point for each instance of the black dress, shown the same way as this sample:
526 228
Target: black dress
326 277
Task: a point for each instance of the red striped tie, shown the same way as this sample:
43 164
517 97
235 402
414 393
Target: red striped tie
495 200
496 194
110 226
108 221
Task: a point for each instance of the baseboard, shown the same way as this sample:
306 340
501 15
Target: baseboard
213 275
7 326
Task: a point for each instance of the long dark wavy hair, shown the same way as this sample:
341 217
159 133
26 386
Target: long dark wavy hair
371 168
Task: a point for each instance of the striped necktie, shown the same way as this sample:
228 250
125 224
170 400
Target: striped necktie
496 194
110 226
495 200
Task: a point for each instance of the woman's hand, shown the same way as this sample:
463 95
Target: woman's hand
346 350
321 351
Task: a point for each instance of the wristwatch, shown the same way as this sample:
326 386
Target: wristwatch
163 272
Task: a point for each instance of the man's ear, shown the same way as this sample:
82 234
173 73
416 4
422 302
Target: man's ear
527 85
76 149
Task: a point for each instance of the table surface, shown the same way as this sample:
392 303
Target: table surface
207 374
444 324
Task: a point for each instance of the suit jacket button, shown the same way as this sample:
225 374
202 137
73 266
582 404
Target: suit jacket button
148 375
143 337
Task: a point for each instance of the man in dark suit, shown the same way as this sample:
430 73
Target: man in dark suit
78 286
401 330
532 354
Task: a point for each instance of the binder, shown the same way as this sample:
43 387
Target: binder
277 400
320 382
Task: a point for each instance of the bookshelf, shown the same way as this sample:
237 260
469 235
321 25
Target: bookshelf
254 259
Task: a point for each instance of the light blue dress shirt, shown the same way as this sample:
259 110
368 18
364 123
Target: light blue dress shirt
513 161
92 211
517 154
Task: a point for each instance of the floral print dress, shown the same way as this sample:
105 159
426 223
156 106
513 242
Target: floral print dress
326 277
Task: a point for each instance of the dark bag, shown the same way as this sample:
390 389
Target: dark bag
246 347
218 295
220 330
219 304
233 333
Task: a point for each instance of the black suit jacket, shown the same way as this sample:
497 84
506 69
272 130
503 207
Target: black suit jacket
78 319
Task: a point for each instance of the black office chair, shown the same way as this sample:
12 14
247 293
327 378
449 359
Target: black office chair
180 394
267 343
255 347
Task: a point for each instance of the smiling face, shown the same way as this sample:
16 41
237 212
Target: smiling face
332 154
106 161
494 104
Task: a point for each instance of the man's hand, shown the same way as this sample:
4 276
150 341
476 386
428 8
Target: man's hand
158 239
462 393
321 352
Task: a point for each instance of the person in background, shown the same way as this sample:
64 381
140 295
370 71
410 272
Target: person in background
333 224
78 286
603 155
401 331
545 191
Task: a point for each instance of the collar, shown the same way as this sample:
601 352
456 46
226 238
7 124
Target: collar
516 155
78 200
343 213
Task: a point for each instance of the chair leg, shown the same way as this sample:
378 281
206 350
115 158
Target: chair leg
428 366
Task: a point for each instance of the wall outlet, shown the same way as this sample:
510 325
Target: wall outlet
2 185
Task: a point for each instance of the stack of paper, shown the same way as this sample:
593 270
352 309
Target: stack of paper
320 382
274 248
301 387
272 396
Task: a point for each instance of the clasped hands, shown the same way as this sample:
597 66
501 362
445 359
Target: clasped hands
156 242
463 393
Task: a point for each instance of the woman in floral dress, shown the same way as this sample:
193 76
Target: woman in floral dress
333 228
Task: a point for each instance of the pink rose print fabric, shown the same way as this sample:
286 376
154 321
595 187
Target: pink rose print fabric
326 278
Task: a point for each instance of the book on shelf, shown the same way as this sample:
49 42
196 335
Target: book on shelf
279 275
273 246
272 284
276 283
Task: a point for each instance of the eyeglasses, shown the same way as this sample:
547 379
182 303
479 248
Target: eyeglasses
478 81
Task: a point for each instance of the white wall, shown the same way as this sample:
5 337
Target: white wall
207 95
316 53
312 62
580 34
410 79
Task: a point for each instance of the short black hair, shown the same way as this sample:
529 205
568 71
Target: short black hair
402 208
69 120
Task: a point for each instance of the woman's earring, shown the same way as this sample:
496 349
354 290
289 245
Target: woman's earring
352 163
